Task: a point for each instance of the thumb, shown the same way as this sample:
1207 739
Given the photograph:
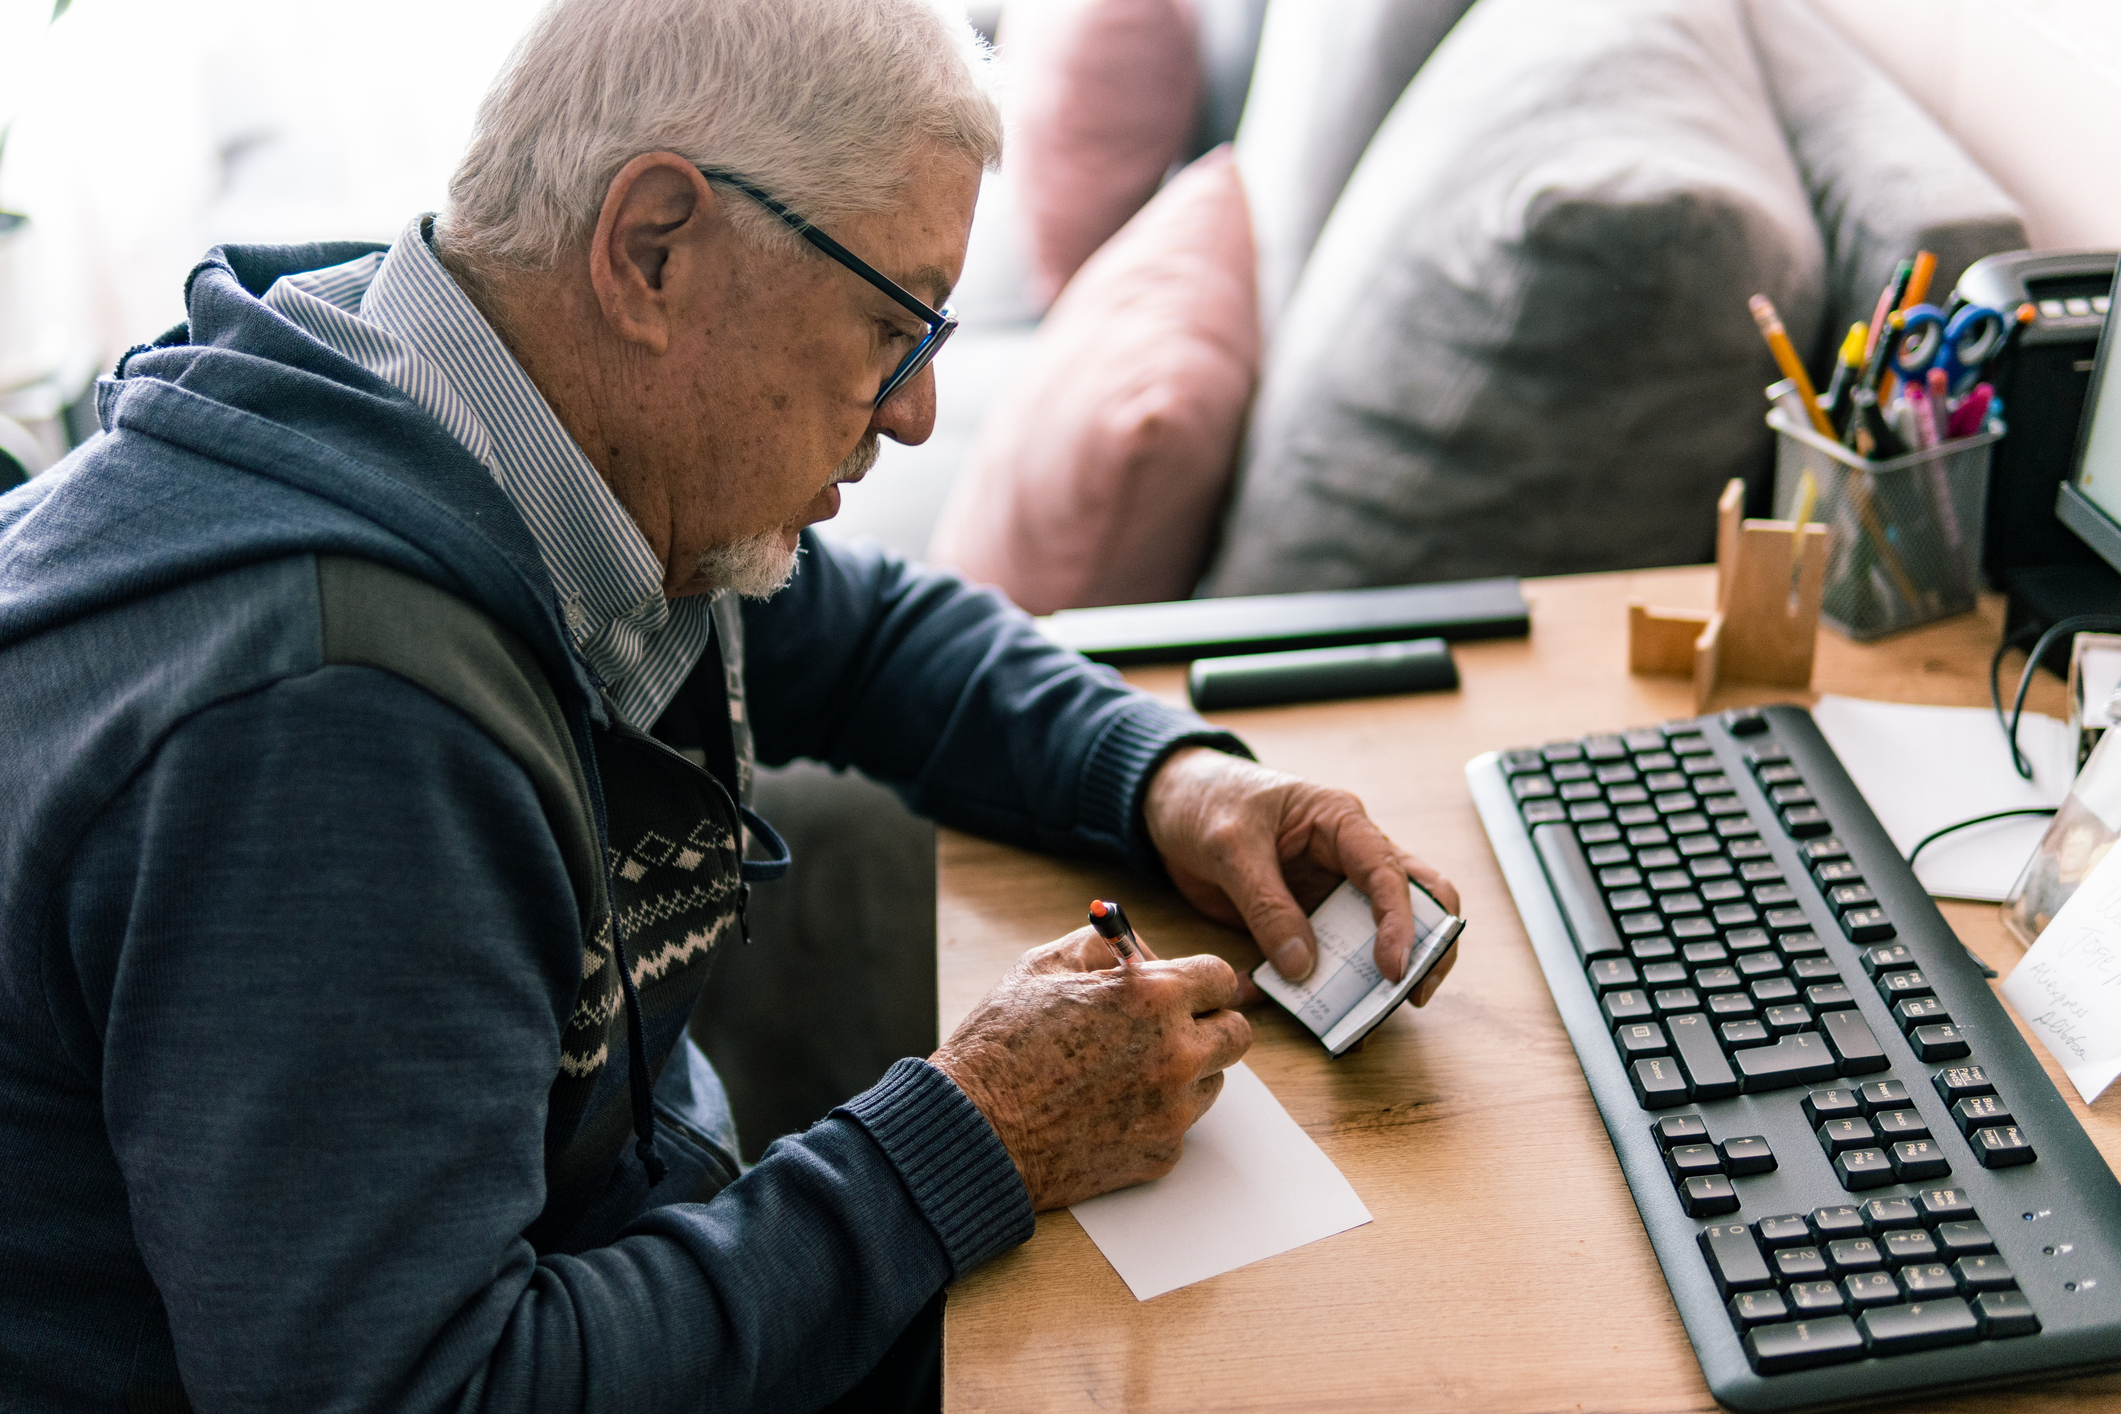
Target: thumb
1271 914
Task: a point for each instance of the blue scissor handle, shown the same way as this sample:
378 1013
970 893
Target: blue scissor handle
1959 345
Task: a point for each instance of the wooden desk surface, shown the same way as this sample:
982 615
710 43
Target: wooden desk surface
1506 1268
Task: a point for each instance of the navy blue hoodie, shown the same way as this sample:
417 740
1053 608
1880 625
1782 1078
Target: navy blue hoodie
287 946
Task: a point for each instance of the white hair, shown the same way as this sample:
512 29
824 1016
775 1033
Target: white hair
824 103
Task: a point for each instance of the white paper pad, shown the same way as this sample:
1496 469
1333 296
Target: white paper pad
1251 1184
2068 984
1921 768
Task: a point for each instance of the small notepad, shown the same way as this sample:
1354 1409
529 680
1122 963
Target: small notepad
1346 996
1250 1184
2068 984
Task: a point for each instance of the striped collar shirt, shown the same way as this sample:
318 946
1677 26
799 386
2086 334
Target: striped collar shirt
399 315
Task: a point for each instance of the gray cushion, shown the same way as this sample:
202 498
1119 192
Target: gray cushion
1522 344
1877 201
1328 71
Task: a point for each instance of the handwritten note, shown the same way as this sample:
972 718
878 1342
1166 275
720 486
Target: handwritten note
2068 985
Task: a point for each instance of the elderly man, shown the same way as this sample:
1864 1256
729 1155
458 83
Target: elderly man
358 870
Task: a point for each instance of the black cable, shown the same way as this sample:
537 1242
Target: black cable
2025 634
1934 835
2077 623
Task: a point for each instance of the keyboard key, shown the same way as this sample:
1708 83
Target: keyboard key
1706 1195
1588 812
1758 1308
1806 821
1654 948
1545 812
1833 1102
1732 827
1774 991
1909 982
1767 753
1963 1237
1842 1220
1896 1125
1747 1154
1718 979
1913 1244
1576 791
1708 1074
1658 1083
1847 896
1622 1007
1662 779
1926 1279
1774 895
1643 739
1866 925
1850 1038
1917 1159
1604 747
1817 852
1656 975
1919 1325
1736 1035
1529 787
1750 848
1683 1161
1517 763
1639 810
1809 970
1854 1254
1709 866
1803 1345
1734 915
1829 995
1724 806
1792 794
1694 930
1800 1264
1859 1169
1734 1258
2005 1313
1726 1006
1867 1289
1838 1136
1665 881
1573 771
1875 1095
1836 871
1702 954
1983 1273
1981 1112
1605 852
1805 945
1612 974
1957 1082
1919 1011
1799 1058
1881 1215
1675 999
1936 1043
1817 1298
1754 965
1782 1020
1785 1230
1887 957
1672 905
1582 904
2002 1147
1677 803
1641 1038
1785 919
1629 900
1641 834
1944 1204
1680 1129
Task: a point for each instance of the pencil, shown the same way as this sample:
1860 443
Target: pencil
1918 282
1778 342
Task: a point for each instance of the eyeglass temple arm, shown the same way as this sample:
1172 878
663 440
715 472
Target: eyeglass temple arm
828 245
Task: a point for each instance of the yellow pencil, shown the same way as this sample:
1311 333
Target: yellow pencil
1778 342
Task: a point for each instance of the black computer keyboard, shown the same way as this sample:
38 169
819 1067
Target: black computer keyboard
1856 1176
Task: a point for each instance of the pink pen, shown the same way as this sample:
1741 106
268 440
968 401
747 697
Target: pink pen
1972 413
1940 403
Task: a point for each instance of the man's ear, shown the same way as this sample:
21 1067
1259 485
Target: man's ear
653 231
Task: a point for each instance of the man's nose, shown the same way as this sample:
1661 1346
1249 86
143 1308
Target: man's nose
908 415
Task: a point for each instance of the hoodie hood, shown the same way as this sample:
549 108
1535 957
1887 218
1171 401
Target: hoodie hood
293 449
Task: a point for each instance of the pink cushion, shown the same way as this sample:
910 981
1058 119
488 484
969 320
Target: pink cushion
1098 475
1106 96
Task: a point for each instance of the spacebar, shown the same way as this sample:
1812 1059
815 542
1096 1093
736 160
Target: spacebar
1577 892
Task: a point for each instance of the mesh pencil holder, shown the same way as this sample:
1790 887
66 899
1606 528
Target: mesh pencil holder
1906 532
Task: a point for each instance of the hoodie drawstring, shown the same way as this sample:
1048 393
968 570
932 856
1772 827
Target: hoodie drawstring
637 1062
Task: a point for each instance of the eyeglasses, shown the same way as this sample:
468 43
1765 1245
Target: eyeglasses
941 323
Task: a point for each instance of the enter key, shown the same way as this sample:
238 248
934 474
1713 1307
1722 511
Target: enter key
1856 1050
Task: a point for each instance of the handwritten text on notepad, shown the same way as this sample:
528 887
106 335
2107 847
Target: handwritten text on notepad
2068 987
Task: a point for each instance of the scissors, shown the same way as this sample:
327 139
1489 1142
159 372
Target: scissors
1959 345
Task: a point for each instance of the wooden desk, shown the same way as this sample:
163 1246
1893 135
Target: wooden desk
1506 1268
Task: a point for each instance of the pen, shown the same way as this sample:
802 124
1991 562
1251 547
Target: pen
1918 280
1845 369
1110 920
1778 342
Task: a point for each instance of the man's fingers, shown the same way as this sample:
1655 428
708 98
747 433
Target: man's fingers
1272 914
1206 982
1426 988
1229 1036
1204 1091
1427 875
1392 905
1081 951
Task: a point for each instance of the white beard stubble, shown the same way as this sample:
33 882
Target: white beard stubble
759 566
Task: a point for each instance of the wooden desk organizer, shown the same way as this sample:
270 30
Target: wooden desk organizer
1766 621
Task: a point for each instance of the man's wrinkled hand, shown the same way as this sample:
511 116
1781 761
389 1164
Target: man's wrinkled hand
1091 1073
1242 842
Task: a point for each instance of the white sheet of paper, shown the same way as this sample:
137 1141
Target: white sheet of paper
1251 1184
1921 768
2068 984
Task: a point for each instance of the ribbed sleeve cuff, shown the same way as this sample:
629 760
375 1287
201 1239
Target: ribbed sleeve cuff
950 1160
1119 766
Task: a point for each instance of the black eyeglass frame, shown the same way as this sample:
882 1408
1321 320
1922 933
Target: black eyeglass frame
941 323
